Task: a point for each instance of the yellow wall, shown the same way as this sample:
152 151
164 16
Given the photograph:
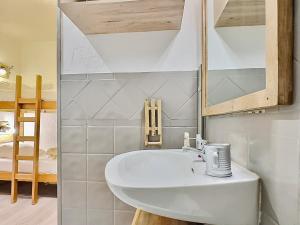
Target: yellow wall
10 52
30 58
39 58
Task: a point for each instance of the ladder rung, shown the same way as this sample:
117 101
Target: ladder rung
27 100
24 157
25 138
23 176
26 119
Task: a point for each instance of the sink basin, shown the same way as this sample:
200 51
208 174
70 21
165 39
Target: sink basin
173 183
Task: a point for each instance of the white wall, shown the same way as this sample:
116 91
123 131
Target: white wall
234 47
78 55
134 52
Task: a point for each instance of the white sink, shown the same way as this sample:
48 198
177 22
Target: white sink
173 183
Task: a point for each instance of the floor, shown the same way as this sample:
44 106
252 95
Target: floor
23 212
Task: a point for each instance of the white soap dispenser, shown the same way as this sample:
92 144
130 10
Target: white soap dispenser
186 140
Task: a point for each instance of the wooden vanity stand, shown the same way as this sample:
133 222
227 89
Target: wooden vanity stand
145 218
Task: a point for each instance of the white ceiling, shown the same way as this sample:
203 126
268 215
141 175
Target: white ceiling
28 20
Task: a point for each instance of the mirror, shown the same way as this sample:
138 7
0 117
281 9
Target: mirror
236 56
241 69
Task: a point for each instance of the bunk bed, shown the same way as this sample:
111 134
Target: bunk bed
21 158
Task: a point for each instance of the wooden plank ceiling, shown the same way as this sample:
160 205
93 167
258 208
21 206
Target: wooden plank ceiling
228 13
122 16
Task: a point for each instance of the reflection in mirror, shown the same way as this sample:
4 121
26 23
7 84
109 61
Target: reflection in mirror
236 58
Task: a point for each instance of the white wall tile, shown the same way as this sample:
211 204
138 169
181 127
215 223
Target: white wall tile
120 205
127 139
239 142
73 111
111 111
273 145
99 196
123 217
130 99
187 82
149 83
103 116
71 122
276 161
269 143
111 87
73 77
74 194
91 98
129 123
73 139
69 89
96 167
173 97
73 217
188 110
100 76
173 136
100 217
100 140
73 166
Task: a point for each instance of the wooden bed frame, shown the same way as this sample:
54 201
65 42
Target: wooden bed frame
42 178
9 106
19 106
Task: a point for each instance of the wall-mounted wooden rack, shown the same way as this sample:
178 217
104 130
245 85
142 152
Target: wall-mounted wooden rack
122 16
153 123
228 13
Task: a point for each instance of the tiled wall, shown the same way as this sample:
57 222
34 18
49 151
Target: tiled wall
269 144
102 116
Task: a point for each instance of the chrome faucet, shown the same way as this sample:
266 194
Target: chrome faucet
216 156
200 144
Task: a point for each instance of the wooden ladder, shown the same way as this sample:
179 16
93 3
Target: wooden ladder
21 103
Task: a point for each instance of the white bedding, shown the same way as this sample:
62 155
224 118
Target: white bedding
26 148
46 164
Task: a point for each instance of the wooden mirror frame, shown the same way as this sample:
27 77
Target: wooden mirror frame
279 63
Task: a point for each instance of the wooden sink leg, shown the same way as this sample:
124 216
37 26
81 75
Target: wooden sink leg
145 218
